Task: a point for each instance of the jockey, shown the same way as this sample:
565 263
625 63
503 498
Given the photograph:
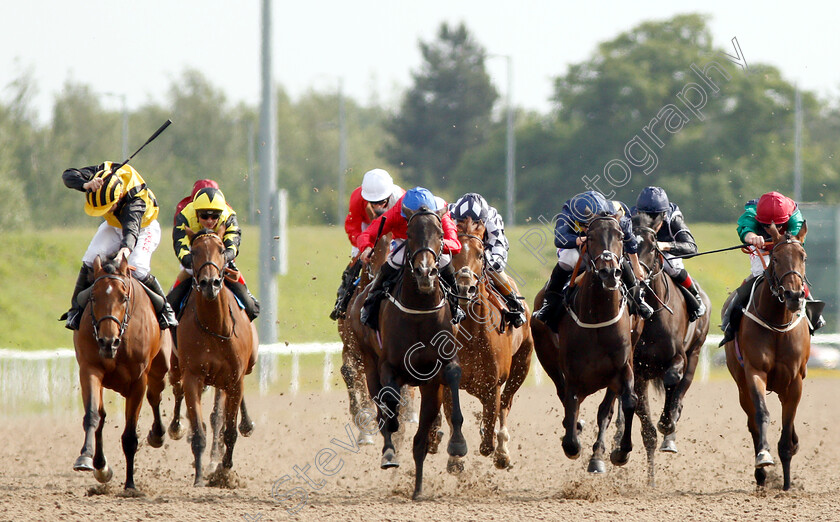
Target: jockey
496 247
673 238
130 230
198 185
395 222
209 209
377 194
570 234
759 214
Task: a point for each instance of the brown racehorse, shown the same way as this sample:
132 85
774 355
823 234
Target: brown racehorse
217 344
668 350
491 354
119 346
594 348
770 351
417 346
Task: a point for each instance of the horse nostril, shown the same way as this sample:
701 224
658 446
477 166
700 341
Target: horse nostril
217 283
472 290
433 272
116 343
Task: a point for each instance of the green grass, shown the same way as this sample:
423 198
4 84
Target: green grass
40 268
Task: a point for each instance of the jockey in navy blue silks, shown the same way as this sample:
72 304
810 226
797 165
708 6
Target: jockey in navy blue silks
673 238
570 234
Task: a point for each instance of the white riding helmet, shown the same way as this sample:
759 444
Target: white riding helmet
377 185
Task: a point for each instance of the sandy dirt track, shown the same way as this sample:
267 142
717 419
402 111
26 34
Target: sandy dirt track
710 478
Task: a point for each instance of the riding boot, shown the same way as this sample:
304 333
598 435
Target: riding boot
346 289
252 306
695 305
370 310
553 298
176 296
447 275
635 291
735 309
166 316
74 315
516 312
813 311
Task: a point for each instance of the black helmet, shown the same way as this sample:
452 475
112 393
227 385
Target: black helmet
653 200
470 205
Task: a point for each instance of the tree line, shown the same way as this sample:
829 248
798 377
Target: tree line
660 104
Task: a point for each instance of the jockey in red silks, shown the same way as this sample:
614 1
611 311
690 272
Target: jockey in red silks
776 209
377 194
395 222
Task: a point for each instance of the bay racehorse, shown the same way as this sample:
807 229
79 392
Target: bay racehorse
593 350
217 345
492 354
119 346
668 350
771 349
415 346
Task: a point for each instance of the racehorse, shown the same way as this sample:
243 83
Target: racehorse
668 350
771 350
490 354
594 348
217 344
119 346
415 346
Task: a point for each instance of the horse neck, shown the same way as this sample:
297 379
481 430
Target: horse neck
594 302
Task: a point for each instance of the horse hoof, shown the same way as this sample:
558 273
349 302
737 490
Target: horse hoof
457 448
596 466
176 431
364 439
246 428
619 458
668 446
571 450
763 459
153 440
389 460
486 449
455 465
501 461
103 475
83 463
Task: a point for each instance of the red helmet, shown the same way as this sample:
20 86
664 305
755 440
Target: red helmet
774 208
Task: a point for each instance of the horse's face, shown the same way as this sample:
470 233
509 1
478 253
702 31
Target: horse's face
786 271
469 263
604 244
110 298
424 245
208 254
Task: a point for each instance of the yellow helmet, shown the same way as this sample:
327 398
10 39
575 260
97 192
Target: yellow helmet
99 202
209 198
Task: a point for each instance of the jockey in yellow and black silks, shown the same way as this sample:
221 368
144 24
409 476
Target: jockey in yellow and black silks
130 229
209 209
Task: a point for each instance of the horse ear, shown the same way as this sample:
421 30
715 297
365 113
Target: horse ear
190 233
802 232
221 231
774 233
97 264
442 211
123 264
407 212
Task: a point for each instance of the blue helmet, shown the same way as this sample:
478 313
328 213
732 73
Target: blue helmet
416 198
653 200
589 204
470 205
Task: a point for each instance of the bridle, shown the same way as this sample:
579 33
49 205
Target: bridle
198 289
655 270
775 283
410 255
606 255
478 277
127 301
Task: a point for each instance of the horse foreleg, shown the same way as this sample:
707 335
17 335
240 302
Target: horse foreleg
246 425
435 434
490 404
648 429
520 365
457 446
429 410
671 380
387 399
756 384
133 403
605 410
571 407
192 396
621 455
232 403
157 381
219 411
92 422
176 431
789 443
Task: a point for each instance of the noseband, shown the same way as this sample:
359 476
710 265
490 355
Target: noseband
97 322
607 255
776 287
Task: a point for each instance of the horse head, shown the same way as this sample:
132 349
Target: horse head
424 245
786 270
604 245
110 298
208 260
645 226
469 263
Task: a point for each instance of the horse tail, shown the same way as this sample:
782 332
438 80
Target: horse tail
658 385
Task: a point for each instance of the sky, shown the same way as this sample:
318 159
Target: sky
139 48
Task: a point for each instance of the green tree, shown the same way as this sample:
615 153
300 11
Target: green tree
445 112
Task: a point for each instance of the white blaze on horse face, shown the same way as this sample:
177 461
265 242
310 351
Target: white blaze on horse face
109 290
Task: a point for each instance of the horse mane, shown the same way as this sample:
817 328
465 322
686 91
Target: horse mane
111 267
203 232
